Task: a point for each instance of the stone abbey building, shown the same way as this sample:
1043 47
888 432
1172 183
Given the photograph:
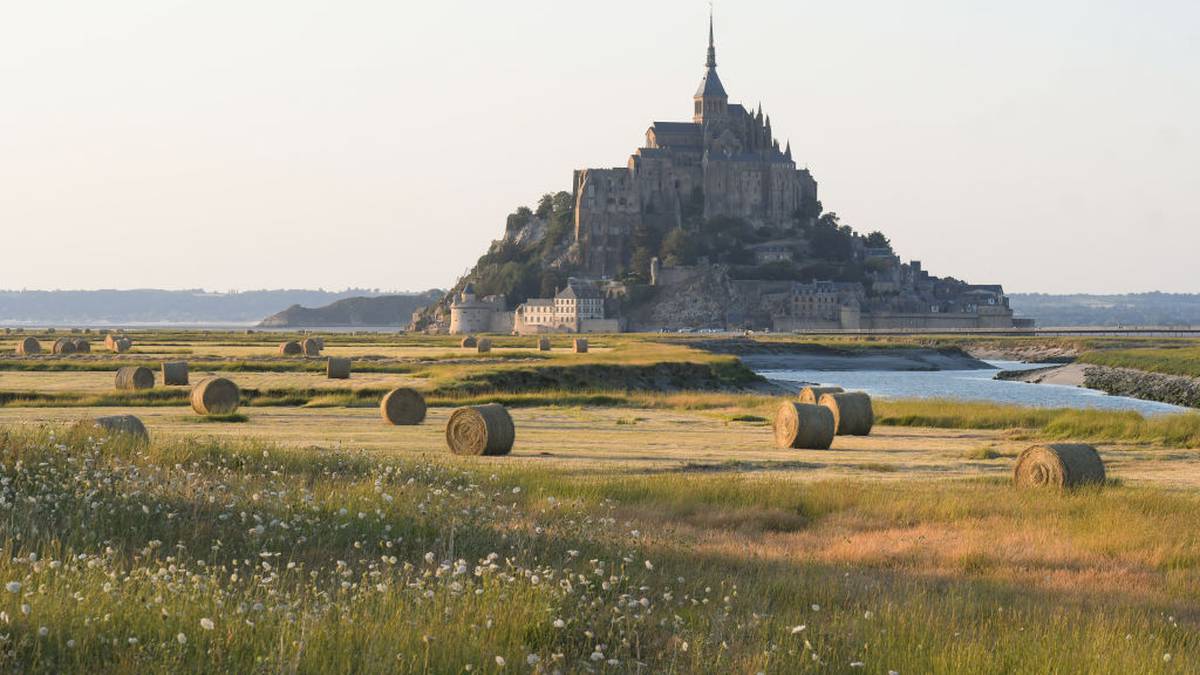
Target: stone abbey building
725 161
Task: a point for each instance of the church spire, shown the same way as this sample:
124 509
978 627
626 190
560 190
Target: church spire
712 45
710 100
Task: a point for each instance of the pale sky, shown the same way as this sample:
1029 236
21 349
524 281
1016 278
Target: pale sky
1048 146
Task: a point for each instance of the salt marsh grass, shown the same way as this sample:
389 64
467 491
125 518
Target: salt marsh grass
193 555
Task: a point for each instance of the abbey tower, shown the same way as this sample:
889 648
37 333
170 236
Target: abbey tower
725 162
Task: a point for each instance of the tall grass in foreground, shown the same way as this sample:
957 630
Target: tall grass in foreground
1054 423
196 556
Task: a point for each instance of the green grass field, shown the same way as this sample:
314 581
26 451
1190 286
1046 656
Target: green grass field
195 556
645 523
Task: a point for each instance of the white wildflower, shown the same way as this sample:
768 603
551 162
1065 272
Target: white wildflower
500 661
532 659
799 629
13 587
43 631
207 623
181 639
559 623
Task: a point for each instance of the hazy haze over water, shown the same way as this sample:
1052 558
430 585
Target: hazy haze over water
1047 146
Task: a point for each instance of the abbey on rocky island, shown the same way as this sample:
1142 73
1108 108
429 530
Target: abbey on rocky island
726 161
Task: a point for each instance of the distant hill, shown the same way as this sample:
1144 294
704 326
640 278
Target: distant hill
152 306
1133 309
386 310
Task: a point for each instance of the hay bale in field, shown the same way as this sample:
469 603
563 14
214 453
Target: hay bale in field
812 395
104 331
469 342
87 331
543 344
51 331
132 378
337 369
320 342
82 346
580 345
290 348
852 412
75 331
1059 465
117 425
403 406
310 347
121 345
109 340
804 426
480 430
484 346
64 346
28 346
175 373
216 396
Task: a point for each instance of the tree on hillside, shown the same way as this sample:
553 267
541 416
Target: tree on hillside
877 240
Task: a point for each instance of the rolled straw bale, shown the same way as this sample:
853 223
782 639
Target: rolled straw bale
109 339
216 396
290 348
580 345
812 395
469 342
64 346
310 347
51 331
87 331
116 425
320 342
1058 465
29 345
337 369
75 331
403 406
543 344
175 372
484 346
852 413
122 345
804 426
82 346
104 331
130 378
480 430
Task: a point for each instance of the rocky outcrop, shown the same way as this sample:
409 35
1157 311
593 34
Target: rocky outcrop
385 310
1173 389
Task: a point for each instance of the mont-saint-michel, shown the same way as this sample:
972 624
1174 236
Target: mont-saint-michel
712 223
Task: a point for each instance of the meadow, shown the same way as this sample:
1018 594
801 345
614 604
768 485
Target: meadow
647 528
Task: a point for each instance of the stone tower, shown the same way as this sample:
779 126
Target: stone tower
710 100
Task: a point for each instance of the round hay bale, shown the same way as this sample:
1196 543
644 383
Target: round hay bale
310 347
320 342
337 369
216 396
852 413
812 395
1058 465
580 345
543 344
469 342
290 348
804 426
484 346
29 345
109 341
403 406
117 425
64 346
132 378
175 373
82 346
480 430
